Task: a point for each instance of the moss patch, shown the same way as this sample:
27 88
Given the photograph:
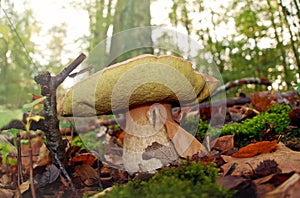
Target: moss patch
188 180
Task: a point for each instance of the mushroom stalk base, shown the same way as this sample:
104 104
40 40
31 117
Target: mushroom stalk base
153 139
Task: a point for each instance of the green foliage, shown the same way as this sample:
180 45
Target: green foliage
78 142
29 106
88 140
16 68
6 148
188 180
202 129
297 87
275 119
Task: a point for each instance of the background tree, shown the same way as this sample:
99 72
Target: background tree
245 38
131 14
16 66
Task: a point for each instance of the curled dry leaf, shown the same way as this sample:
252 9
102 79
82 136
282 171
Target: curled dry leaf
43 158
85 158
6 193
286 159
47 177
263 100
224 143
290 188
87 174
256 149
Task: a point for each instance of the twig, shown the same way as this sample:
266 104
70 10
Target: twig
31 166
243 81
66 72
50 125
62 169
99 164
19 160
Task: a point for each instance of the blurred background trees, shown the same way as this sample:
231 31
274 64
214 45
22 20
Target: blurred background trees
257 38
16 66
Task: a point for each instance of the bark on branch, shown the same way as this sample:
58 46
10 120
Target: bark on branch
50 125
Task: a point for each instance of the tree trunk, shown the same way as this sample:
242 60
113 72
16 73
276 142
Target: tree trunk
280 45
131 14
293 44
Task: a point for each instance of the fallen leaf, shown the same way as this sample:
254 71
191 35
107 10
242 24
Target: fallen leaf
269 183
290 188
256 149
85 158
286 159
24 186
47 177
87 174
43 158
224 143
262 100
230 182
6 193
243 187
5 180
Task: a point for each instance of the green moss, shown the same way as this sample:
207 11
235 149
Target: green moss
275 119
188 180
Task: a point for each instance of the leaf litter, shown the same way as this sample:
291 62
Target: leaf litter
261 169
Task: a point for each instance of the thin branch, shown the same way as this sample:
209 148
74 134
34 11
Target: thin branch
65 73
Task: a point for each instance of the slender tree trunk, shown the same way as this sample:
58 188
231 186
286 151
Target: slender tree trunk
280 45
131 14
100 17
293 44
296 2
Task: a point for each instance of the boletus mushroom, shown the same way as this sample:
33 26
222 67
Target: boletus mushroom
145 89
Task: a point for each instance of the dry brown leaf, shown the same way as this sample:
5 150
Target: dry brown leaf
230 182
269 183
224 143
243 187
24 186
256 149
286 159
6 193
262 100
5 180
47 177
87 174
290 188
85 158
43 158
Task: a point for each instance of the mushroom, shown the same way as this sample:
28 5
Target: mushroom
145 89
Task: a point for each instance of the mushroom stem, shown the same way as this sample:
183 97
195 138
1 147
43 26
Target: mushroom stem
153 139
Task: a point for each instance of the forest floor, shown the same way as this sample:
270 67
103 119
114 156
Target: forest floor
252 161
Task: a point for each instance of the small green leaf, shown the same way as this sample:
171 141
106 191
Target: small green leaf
35 118
29 106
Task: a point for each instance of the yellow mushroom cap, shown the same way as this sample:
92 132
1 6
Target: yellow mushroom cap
140 80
